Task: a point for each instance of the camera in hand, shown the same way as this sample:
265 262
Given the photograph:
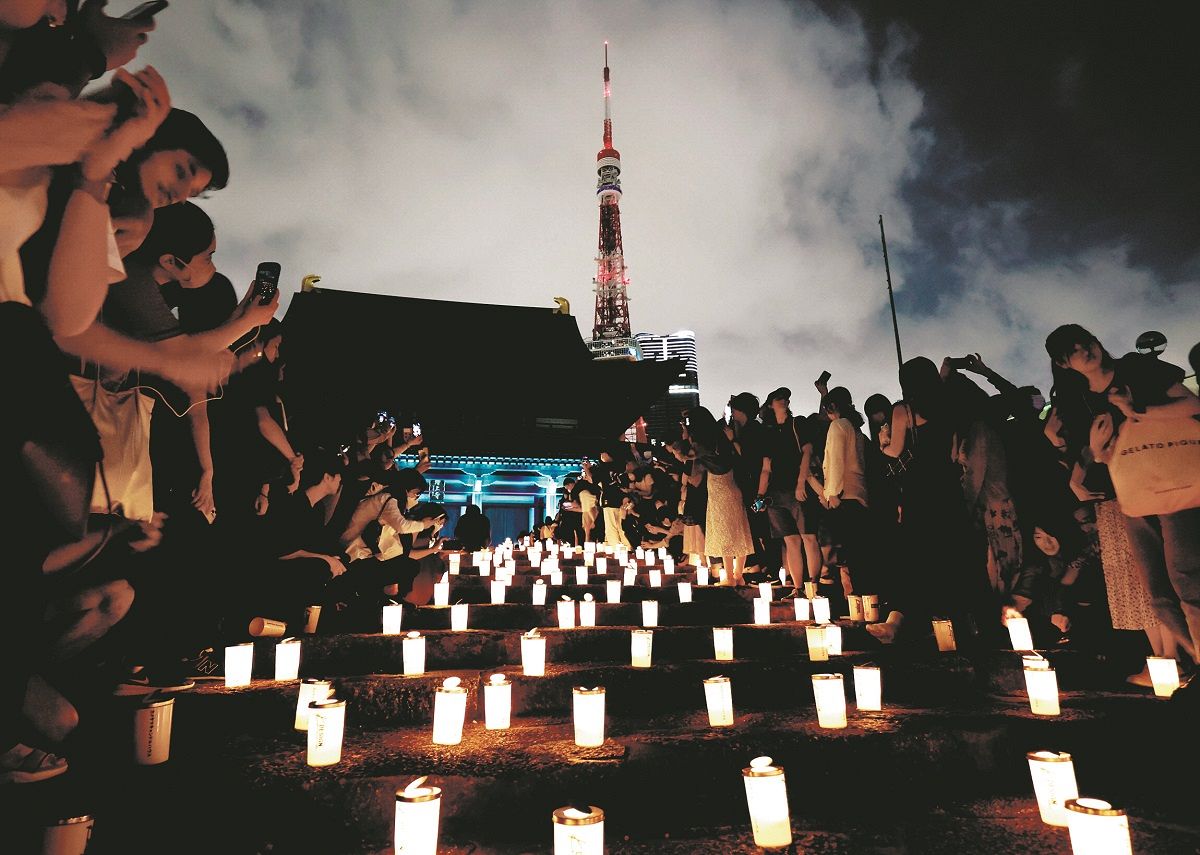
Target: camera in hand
760 504
266 281
824 378
960 362
384 421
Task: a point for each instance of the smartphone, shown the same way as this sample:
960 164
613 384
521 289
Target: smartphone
266 281
145 10
959 362
416 428
824 378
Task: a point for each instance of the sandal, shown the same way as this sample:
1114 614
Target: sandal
36 765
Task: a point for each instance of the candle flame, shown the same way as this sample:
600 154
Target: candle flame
451 683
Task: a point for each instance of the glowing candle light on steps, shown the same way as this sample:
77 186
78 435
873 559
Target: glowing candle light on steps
820 609
449 710
831 700
441 591
310 690
589 546
568 551
578 831
723 643
870 604
413 648
764 590
455 563
810 590
510 567
1097 828
613 587
868 687
685 592
649 612
833 639
533 654
601 565
766 796
1042 686
1053 774
581 575
702 576
669 565
589 559
539 593
418 812
1018 633
815 636
641 648
650 559
762 611
630 576
556 577
312 617
392 615
1164 673
287 659
566 613
458 617
239 664
497 703
655 578
803 608
943 633
152 730
588 709
498 589
326 726
718 697
856 607
639 554
587 611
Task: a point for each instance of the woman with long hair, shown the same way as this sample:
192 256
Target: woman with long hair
726 529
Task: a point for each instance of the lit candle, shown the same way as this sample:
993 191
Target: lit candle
441 591
589 546
239 663
535 558
1164 673
1042 685
589 559
649 612
723 643
669 565
310 690
640 554
510 567
152 731
449 710
662 552
762 611
326 725
1097 828
701 576
391 618
497 703
455 563
418 810
649 559
587 611
764 590
833 639
766 795
550 545
870 605
831 700
601 565
641 647
803 608
856 607
479 557
581 575
1053 774
943 632
820 609
568 551
718 695
655 578
556 577
533 654
810 590
630 576
539 593
287 659
498 588
578 832
589 716
458 617
413 648
868 687
312 617
485 567
566 613
613 587
685 592
1018 633
815 635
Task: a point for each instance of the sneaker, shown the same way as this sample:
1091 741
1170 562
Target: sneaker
144 681
206 666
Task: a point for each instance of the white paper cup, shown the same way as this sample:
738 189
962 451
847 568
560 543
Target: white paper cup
152 732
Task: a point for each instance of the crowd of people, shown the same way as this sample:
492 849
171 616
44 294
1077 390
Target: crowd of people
160 498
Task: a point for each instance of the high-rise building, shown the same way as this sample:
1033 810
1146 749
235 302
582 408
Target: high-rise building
662 422
611 338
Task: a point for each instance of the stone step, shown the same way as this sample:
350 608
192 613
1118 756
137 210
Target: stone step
653 775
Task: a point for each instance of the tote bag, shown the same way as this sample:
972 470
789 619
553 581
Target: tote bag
123 422
1155 466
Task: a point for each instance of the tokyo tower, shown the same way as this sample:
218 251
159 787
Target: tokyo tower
611 336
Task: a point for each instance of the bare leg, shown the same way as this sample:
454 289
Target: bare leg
92 613
52 714
793 559
812 553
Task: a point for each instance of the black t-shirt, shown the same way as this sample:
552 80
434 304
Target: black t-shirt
202 309
137 307
784 447
755 443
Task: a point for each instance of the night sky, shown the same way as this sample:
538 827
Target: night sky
1035 164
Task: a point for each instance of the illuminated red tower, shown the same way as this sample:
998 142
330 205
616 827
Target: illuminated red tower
611 335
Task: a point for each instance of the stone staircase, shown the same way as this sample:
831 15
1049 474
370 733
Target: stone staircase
941 769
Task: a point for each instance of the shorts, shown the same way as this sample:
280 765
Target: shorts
814 514
785 514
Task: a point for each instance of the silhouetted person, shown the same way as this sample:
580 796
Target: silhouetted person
474 529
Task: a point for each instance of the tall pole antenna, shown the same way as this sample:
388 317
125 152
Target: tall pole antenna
891 297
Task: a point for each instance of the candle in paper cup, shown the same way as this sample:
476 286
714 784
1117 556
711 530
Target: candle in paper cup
312 617
310 690
702 576
669 565
833 639
803 608
762 611
650 559
566 613
639 553
820 609
497 702
588 716
870 605
287 659
943 633
641 648
764 591
441 592
239 664
831 700
868 687
587 611
613 587
655 578
577 831
815 636
856 609
581 575
685 592
458 617
418 811
261 627
723 643
498 588
1018 633
1164 673
449 710
326 726
649 612
152 730
718 696
413 648
539 593
766 795
392 615
601 565
1042 686
589 559
556 577
1097 828
630 576
810 590
533 654
455 563
1053 774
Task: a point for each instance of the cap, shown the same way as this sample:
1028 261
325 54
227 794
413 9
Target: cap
744 402
782 393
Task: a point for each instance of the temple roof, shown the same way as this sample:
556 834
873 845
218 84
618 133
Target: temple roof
480 378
